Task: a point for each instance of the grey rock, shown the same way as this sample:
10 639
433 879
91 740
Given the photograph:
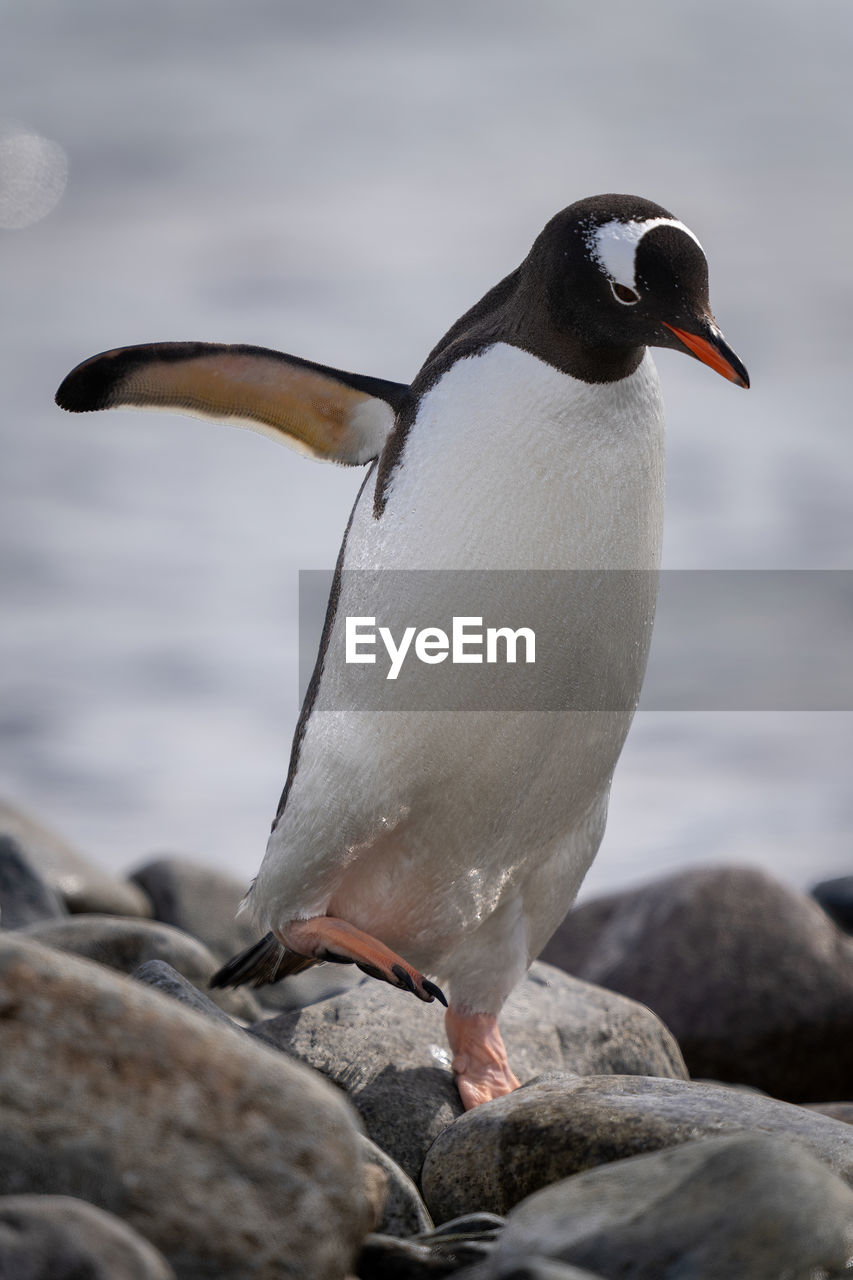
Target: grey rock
388 1050
498 1154
200 901
60 1238
24 896
161 976
836 898
235 1162
757 1208
752 978
842 1111
405 1213
204 903
125 944
82 885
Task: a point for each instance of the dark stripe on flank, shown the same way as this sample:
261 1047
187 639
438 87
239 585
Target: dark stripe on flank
316 675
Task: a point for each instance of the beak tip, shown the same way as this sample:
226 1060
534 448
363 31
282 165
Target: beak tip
712 349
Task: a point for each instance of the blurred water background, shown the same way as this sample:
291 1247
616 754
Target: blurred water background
341 180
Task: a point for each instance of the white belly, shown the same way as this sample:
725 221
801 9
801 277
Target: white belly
460 838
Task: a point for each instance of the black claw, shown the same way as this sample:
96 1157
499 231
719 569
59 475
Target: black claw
434 991
371 971
404 978
334 958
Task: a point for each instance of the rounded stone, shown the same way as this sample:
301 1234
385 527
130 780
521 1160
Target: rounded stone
836 898
389 1052
752 978
499 1153
751 1207
24 896
125 944
83 886
60 1238
232 1160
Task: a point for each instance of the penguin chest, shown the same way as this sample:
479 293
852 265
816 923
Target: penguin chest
511 464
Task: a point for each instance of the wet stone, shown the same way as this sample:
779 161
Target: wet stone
230 1159
81 884
60 1238
389 1052
836 898
751 1207
753 979
498 1154
162 977
24 896
125 944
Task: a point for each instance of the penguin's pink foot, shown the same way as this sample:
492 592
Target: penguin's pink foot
479 1058
327 938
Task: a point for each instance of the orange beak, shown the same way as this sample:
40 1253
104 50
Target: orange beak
714 351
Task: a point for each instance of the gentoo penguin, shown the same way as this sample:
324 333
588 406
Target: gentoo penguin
430 845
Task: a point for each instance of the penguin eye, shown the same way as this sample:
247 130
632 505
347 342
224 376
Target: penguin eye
623 294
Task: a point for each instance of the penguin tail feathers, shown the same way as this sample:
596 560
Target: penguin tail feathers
263 963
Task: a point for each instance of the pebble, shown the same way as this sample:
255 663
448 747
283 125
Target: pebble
836 898
162 977
404 1212
389 1053
60 1238
125 944
82 885
752 978
496 1155
200 1154
235 1162
751 1207
24 896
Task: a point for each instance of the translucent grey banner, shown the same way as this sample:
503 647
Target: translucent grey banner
548 640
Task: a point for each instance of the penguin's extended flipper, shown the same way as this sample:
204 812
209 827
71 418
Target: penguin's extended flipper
260 965
327 413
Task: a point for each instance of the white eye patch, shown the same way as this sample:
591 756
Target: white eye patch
614 246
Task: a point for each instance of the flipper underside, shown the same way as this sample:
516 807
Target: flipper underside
327 413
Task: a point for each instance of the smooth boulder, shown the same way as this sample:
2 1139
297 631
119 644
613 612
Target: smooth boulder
836 898
389 1052
162 977
125 944
497 1154
752 978
60 1238
25 897
83 886
404 1212
755 1208
236 1162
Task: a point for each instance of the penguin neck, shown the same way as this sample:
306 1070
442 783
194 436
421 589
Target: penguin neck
535 324
519 311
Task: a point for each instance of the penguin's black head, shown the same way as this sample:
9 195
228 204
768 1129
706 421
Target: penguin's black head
622 273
